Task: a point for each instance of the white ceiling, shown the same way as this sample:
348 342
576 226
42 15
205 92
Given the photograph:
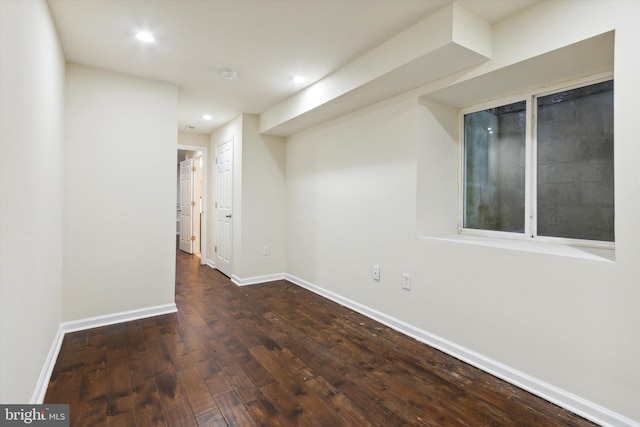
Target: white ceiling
267 41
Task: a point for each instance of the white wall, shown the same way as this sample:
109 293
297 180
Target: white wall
571 320
263 202
32 101
190 138
120 165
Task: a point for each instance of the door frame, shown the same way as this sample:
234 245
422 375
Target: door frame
205 204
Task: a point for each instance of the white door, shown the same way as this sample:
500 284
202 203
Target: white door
196 219
223 206
187 206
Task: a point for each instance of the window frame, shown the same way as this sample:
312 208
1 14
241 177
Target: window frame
530 97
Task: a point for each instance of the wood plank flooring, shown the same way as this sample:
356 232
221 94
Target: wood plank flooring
274 355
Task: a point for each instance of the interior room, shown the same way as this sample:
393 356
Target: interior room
345 148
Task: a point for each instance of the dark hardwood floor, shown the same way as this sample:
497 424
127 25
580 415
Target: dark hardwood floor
274 355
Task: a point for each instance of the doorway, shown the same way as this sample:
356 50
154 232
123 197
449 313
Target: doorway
191 203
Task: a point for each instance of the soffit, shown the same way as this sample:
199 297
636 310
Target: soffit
266 41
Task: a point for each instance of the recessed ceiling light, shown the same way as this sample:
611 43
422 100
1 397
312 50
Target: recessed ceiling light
145 36
299 79
229 73
207 117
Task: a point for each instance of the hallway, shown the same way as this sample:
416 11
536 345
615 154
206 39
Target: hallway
274 355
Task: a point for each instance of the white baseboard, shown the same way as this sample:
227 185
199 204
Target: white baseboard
257 279
89 323
551 393
114 318
47 369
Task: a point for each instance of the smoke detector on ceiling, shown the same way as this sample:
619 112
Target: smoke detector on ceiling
229 73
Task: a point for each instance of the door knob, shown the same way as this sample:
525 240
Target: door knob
227 216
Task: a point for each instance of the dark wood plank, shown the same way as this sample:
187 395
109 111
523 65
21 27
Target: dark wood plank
218 384
234 411
353 414
211 418
289 410
147 405
91 412
262 410
274 355
198 394
174 403
120 405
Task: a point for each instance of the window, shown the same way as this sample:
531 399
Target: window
542 167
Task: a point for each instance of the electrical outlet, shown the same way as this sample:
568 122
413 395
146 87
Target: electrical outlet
406 281
265 250
376 272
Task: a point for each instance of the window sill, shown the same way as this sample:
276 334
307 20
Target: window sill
594 254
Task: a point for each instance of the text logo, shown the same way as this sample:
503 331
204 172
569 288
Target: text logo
34 415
